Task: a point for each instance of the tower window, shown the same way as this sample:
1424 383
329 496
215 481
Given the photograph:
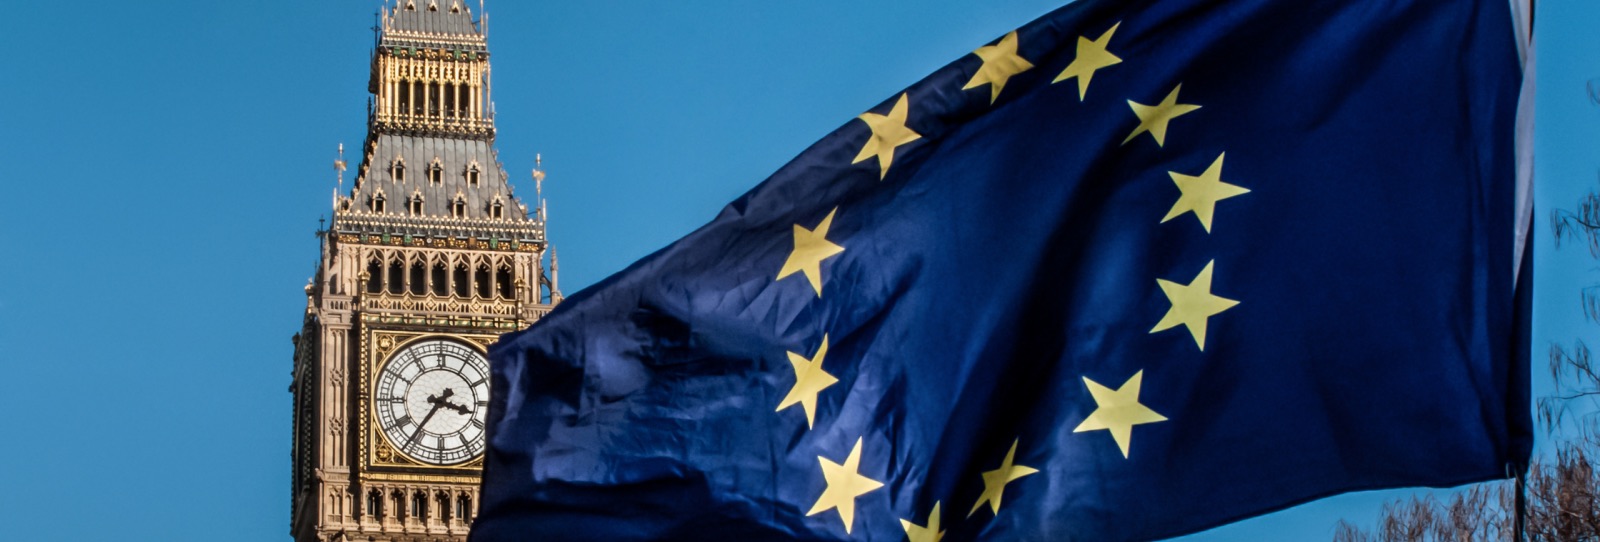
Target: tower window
440 285
472 176
374 504
460 279
378 203
464 508
411 6
435 172
397 279
399 504
497 210
417 284
399 171
481 278
458 208
450 100
444 505
502 278
374 277
417 98
419 505
404 97
416 205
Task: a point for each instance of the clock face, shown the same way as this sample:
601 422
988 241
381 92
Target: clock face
431 401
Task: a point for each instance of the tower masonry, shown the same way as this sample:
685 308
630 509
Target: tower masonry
429 257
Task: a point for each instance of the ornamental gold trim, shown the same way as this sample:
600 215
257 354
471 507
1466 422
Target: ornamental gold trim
378 346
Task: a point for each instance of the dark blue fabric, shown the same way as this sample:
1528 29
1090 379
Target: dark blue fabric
1014 250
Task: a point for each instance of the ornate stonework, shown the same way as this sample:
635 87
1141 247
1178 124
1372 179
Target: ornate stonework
429 246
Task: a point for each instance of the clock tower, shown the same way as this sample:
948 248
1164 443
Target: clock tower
428 259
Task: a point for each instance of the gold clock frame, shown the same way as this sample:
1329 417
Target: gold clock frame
377 455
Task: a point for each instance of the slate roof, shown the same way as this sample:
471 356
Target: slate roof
455 158
432 17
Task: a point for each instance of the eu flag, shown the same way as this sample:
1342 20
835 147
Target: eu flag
1135 269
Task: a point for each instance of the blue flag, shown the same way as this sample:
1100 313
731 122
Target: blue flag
1135 269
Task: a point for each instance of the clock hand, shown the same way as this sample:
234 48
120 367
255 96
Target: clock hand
442 400
435 410
456 407
438 402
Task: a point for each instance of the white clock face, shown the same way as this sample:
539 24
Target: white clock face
432 399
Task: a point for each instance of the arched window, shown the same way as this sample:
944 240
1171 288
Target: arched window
465 100
444 505
462 286
418 284
378 203
435 172
502 278
415 203
472 175
441 286
464 508
399 500
374 504
433 99
397 278
458 208
419 505
497 209
398 171
481 278
374 277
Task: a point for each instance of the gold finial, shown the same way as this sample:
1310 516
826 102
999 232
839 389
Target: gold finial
538 181
339 165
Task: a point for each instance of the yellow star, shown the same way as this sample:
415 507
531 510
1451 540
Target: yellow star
810 248
809 379
1118 411
888 132
1000 62
1192 305
1201 194
844 485
931 533
1154 118
994 482
1092 55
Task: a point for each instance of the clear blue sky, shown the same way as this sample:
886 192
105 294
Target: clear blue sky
164 164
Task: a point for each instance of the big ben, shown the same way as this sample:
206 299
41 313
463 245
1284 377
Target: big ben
428 258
